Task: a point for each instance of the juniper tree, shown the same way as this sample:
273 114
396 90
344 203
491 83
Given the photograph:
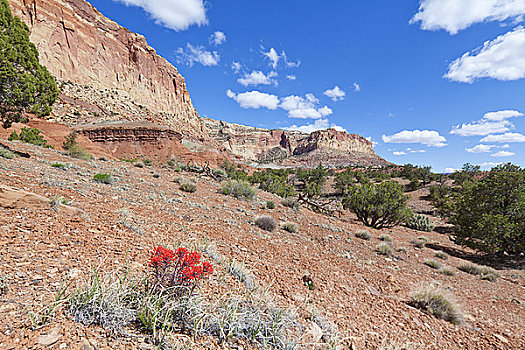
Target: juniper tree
25 85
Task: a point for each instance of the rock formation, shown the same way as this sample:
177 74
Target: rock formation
291 148
78 44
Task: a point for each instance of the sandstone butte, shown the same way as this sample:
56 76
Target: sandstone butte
105 61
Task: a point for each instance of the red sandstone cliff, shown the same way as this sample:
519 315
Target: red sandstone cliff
78 44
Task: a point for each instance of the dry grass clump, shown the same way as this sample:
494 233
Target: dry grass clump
188 187
447 271
438 303
385 249
385 238
432 263
241 272
363 234
291 202
290 227
419 242
442 255
265 222
238 189
484 272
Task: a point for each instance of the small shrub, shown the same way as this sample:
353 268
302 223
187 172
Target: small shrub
220 173
445 270
420 222
238 189
441 255
29 135
363 234
72 148
402 249
437 303
103 178
290 227
378 206
419 242
385 238
265 222
147 162
432 263
291 202
5 153
59 166
484 272
384 249
188 187
270 205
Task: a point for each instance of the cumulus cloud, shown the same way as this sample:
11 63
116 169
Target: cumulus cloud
488 165
254 99
503 154
291 77
319 124
450 170
173 14
455 15
336 94
502 58
357 87
490 123
258 78
426 137
505 138
398 153
481 148
217 38
197 54
304 107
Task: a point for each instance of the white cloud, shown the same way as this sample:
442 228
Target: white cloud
503 154
488 165
398 153
236 67
254 99
490 123
374 143
304 107
291 77
197 54
258 78
455 15
426 137
481 128
481 148
336 94
450 170
505 138
319 124
173 14
217 38
502 115
357 87
273 56
502 58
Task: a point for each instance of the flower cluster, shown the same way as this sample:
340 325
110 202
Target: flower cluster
178 270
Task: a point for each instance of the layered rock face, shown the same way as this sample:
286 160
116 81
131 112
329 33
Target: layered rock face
290 148
78 44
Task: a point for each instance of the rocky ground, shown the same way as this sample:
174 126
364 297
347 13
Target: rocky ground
114 226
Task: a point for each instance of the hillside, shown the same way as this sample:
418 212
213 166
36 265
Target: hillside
114 226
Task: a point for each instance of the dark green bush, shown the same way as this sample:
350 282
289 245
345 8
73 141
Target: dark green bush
103 178
489 212
378 206
29 135
270 205
25 85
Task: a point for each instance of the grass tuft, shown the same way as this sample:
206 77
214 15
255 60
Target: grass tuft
385 249
363 234
188 187
238 189
438 303
103 178
265 222
432 264
290 227
291 202
484 272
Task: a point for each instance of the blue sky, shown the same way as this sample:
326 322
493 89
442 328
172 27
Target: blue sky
432 82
